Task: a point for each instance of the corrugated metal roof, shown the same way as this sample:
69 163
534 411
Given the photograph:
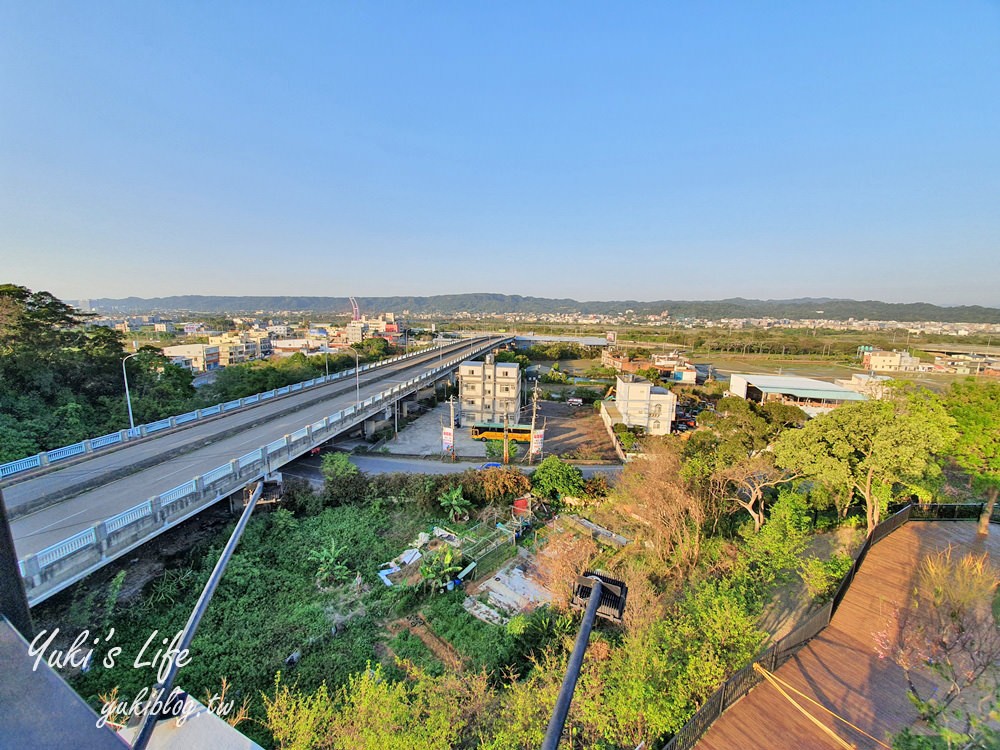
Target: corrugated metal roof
832 394
801 387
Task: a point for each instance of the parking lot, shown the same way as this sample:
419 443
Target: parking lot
570 432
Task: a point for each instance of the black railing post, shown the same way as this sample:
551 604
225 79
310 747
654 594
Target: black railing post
163 690
558 720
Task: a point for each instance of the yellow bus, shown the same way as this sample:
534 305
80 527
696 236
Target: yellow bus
516 433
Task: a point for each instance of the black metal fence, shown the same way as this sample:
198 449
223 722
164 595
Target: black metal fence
743 681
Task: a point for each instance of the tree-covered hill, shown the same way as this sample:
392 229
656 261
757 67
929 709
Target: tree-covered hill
491 304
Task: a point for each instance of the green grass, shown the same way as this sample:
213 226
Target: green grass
266 607
408 646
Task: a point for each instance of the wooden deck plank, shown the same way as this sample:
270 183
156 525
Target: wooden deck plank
840 668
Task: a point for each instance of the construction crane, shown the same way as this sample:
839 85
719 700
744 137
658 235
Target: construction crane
354 307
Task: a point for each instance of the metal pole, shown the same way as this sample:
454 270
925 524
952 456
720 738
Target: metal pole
558 720
164 689
534 415
128 398
357 376
13 599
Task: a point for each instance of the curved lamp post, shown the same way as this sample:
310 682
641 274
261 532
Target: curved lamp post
128 398
357 376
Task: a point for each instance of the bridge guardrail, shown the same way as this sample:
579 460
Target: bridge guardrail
51 569
45 458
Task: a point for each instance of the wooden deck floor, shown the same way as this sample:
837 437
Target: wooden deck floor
839 668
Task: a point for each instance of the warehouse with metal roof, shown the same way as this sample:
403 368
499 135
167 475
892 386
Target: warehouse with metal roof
812 396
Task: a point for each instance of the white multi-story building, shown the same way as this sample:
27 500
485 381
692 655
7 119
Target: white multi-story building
356 331
639 403
489 390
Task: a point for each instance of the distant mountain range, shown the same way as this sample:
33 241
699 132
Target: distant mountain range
490 304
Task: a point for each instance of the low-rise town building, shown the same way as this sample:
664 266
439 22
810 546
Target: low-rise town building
195 357
872 386
894 361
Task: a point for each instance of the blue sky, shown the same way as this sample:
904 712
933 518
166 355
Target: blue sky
589 150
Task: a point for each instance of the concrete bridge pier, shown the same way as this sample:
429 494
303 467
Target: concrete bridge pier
375 424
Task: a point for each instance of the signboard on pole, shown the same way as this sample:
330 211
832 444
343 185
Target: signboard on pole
612 337
536 441
447 438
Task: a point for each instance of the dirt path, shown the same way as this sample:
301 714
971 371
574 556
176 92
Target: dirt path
441 649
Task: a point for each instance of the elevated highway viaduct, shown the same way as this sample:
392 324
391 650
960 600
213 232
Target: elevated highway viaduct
71 520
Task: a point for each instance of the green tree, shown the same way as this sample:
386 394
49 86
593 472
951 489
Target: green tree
522 360
439 567
418 713
297 720
337 466
651 374
455 503
503 483
556 477
875 449
344 482
60 379
373 348
975 407
746 483
158 387
494 449
330 564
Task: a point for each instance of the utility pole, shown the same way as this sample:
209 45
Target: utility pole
506 444
451 423
534 417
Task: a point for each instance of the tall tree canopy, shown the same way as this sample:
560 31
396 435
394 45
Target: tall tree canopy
975 407
61 380
874 449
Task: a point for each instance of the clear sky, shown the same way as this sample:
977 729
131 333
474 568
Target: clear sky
662 150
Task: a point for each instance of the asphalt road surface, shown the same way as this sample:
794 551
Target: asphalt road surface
308 468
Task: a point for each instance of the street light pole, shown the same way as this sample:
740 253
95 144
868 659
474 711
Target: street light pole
357 376
128 398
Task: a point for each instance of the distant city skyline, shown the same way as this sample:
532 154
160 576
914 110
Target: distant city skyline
647 152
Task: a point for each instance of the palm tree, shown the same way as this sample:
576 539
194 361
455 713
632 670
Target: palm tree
440 567
455 503
330 567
